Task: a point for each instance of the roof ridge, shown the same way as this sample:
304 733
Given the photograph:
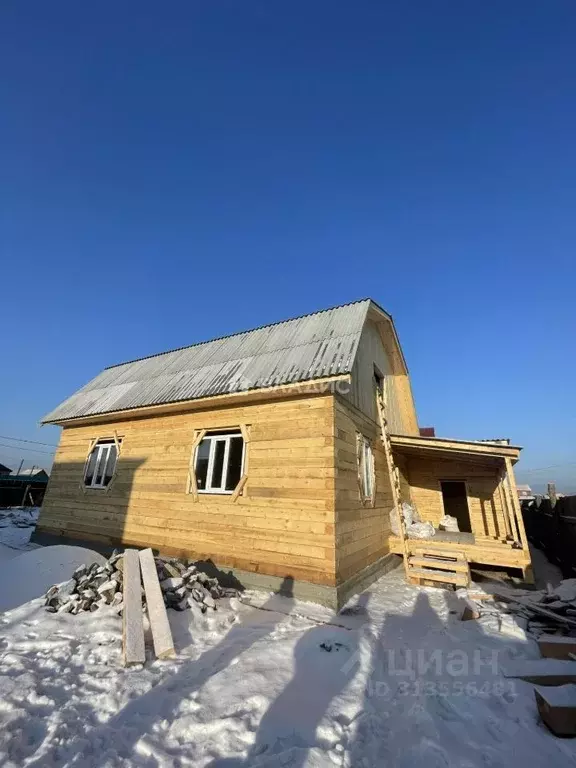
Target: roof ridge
239 333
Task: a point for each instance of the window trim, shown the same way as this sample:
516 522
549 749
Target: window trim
366 469
216 437
101 445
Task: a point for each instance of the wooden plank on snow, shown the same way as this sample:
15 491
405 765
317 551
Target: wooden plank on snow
557 647
132 624
542 671
159 624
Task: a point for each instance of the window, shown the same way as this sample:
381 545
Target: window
219 462
101 464
366 468
378 381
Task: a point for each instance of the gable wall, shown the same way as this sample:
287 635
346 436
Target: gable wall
373 352
282 525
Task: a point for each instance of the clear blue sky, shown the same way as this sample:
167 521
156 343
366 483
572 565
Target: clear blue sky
176 171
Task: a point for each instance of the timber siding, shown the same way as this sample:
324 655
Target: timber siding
282 524
362 530
482 484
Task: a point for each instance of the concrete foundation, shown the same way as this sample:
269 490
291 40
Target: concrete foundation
333 597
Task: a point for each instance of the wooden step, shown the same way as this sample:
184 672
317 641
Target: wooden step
459 566
450 557
460 579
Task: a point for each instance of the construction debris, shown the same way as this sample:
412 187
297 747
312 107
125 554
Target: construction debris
541 671
557 646
92 587
557 708
161 632
550 612
133 650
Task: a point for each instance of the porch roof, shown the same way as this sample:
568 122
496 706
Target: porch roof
467 450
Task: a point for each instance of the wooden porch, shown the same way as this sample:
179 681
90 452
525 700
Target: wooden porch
492 530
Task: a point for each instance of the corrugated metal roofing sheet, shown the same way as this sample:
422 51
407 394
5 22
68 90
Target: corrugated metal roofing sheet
310 347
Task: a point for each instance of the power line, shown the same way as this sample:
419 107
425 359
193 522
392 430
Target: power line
543 469
22 440
21 448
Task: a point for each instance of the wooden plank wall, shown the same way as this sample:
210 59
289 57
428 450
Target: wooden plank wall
282 525
372 351
362 532
484 502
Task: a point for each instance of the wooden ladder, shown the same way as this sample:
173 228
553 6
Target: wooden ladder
420 564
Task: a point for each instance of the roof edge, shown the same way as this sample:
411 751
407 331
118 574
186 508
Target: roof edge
248 330
319 386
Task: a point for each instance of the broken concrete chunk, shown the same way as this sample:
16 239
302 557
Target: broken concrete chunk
66 589
171 583
108 586
52 592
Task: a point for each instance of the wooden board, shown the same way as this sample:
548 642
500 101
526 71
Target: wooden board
557 646
132 624
542 671
558 712
159 624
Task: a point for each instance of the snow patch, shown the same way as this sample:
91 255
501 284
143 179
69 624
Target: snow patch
29 575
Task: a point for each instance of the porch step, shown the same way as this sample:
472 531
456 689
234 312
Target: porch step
427 563
460 579
441 564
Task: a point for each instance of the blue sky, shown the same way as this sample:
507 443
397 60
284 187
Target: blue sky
173 172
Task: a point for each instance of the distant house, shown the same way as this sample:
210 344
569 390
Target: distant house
36 475
524 492
4 470
25 488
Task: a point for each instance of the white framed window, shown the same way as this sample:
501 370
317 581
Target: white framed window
219 462
101 464
366 468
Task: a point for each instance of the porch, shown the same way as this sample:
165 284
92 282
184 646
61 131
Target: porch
471 481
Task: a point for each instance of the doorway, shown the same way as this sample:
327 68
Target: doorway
455 500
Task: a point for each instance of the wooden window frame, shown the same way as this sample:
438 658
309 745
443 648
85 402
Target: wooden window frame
366 474
226 438
101 444
242 430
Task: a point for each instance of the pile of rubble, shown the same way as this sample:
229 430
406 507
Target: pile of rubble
94 586
552 610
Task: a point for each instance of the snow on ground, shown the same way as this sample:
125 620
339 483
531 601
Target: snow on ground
34 572
16 526
396 679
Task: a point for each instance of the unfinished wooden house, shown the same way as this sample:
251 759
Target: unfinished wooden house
280 452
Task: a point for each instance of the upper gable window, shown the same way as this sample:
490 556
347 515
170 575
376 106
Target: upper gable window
219 462
101 464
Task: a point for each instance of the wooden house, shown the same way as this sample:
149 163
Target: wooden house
279 452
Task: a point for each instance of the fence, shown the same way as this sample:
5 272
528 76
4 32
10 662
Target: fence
16 493
553 530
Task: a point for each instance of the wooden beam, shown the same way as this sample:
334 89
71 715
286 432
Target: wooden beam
393 475
132 624
192 486
159 624
516 504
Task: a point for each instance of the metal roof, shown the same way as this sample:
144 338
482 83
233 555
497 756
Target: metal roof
313 346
